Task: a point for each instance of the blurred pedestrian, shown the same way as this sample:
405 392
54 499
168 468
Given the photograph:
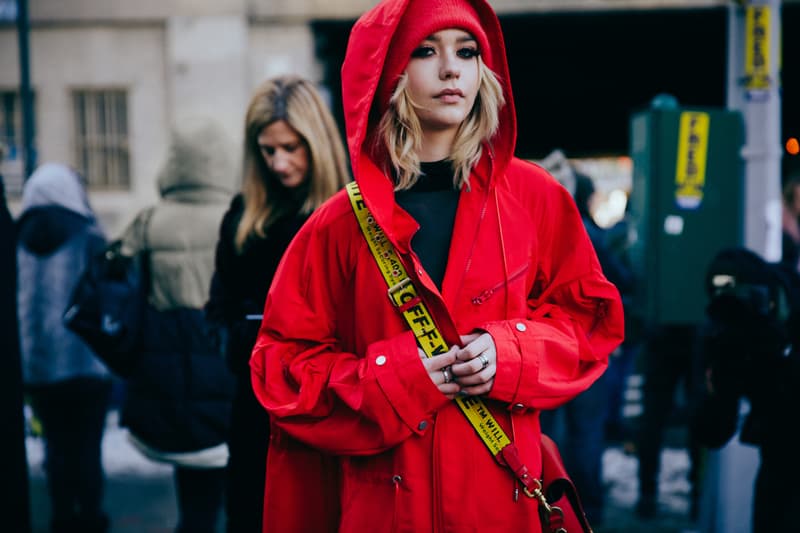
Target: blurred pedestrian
294 161
790 223
495 251
618 241
15 507
750 355
68 386
669 355
579 425
178 399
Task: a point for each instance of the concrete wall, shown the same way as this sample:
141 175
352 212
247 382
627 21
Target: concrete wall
64 59
207 70
82 10
280 49
179 58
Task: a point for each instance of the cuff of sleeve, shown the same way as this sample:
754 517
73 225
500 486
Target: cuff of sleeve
398 370
510 365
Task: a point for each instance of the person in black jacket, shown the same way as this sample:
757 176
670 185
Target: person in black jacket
751 351
68 386
15 507
294 161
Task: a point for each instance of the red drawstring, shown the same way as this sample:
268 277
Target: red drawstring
396 479
502 249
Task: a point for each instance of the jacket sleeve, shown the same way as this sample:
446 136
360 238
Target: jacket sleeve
334 400
223 306
574 316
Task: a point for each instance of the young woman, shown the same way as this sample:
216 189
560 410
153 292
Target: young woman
294 160
498 255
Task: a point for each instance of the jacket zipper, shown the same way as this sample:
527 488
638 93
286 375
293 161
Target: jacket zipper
475 239
488 293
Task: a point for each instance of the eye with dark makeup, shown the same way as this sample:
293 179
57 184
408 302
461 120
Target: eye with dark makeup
423 51
468 52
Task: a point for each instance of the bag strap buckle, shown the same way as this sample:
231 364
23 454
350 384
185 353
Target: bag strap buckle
553 515
399 286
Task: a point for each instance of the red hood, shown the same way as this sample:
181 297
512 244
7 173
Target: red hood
361 74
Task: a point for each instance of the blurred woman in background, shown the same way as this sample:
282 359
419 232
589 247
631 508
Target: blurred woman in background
294 161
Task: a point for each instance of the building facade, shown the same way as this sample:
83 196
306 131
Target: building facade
109 77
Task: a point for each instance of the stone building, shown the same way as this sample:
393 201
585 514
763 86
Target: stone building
109 77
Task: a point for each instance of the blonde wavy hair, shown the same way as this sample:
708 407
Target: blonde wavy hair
298 102
400 132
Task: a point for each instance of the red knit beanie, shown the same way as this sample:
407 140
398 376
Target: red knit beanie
421 19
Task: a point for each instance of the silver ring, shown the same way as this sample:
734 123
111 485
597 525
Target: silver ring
484 360
446 373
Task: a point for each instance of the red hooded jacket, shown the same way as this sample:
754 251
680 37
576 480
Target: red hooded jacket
379 436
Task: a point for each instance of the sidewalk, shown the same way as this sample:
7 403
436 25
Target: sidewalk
139 493
140 496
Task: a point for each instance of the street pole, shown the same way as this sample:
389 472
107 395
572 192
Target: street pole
754 51
26 98
753 89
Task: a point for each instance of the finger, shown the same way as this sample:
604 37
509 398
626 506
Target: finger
468 352
478 364
478 345
466 339
466 368
443 376
450 389
442 360
479 390
479 378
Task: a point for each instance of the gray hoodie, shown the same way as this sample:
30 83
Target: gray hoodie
57 232
196 184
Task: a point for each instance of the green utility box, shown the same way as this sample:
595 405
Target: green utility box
686 204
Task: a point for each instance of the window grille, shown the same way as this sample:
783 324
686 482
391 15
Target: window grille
102 151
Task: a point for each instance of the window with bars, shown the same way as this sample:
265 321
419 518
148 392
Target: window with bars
12 165
101 137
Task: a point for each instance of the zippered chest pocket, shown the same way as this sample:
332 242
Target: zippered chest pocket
493 297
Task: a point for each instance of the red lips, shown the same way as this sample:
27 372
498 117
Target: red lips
450 92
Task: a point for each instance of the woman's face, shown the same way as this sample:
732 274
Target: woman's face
443 79
285 152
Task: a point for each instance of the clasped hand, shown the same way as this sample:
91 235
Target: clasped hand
467 369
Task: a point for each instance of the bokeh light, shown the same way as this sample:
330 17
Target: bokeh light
793 146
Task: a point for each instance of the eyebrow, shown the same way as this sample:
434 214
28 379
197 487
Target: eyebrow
462 39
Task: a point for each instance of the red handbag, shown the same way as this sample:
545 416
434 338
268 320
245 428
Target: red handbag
560 507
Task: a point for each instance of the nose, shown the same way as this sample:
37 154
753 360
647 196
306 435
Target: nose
450 67
280 161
